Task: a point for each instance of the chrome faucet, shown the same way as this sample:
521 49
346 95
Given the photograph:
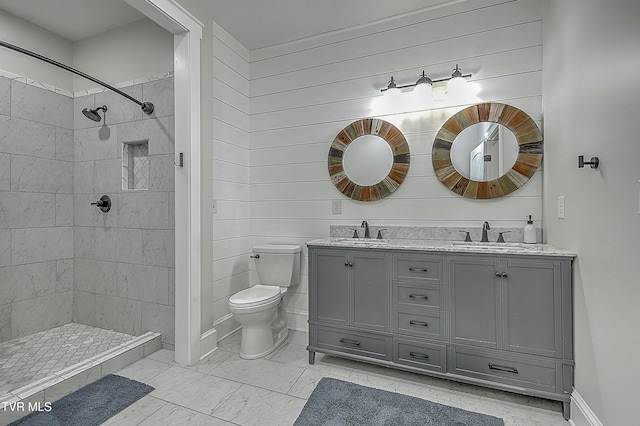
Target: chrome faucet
485 237
365 225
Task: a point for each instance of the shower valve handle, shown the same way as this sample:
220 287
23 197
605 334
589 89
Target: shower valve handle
104 203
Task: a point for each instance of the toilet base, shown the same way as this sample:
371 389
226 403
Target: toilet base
260 338
278 340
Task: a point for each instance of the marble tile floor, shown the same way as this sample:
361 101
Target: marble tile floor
227 390
26 359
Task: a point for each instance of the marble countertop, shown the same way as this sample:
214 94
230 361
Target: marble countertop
444 246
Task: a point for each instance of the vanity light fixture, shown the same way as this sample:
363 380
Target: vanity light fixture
455 84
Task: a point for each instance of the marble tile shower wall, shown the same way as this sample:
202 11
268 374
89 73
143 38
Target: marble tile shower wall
124 259
36 209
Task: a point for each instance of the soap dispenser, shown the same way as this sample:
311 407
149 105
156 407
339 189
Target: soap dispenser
529 232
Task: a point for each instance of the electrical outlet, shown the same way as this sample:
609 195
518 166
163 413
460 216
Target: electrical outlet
215 206
561 207
336 207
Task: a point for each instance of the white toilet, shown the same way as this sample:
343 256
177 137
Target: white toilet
260 309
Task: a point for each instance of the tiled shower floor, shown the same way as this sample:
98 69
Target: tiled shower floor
27 359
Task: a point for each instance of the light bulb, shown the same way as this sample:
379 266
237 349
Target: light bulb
423 88
423 91
456 87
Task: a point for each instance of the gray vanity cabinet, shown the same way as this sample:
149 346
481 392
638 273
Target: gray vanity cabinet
371 290
508 304
532 296
498 320
331 297
511 323
350 293
475 302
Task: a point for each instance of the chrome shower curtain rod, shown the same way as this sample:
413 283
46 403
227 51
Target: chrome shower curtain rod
147 107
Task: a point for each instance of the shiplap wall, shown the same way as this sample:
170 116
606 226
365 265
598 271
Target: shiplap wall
231 238
304 93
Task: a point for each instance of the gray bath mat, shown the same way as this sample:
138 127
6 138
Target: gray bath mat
335 402
91 405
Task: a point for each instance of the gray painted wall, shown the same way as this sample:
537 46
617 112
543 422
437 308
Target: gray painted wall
29 36
590 97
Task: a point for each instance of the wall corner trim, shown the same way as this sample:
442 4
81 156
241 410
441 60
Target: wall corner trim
187 31
581 413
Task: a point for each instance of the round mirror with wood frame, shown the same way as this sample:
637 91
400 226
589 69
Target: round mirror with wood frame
399 165
529 157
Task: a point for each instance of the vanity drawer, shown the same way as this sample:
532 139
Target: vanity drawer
532 374
420 355
415 296
418 268
422 325
365 344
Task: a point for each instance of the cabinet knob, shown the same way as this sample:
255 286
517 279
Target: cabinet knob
348 264
505 275
502 274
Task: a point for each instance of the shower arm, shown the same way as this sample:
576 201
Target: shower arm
147 107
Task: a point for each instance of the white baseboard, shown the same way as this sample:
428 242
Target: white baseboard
226 326
581 414
208 342
298 321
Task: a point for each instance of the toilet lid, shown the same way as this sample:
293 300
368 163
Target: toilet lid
256 295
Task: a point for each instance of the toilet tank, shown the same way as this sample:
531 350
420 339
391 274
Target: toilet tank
278 264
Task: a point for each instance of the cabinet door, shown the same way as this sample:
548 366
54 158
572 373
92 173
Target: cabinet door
329 287
533 307
371 290
475 299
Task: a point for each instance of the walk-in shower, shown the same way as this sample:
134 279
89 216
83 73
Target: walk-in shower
76 280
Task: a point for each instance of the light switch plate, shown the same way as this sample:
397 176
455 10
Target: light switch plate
336 207
561 207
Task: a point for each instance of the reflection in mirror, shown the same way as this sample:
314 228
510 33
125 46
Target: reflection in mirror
367 160
484 151
456 172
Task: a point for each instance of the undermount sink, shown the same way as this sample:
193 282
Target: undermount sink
494 246
362 240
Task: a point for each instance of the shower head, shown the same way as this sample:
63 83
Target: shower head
92 114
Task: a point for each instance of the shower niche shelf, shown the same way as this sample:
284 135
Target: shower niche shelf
135 165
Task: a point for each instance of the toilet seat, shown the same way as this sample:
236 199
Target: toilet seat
255 296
